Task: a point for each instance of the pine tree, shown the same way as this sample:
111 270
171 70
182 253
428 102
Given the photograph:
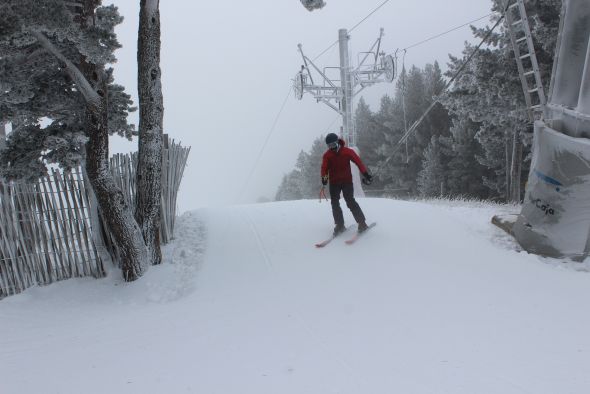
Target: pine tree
54 54
431 178
401 161
388 124
489 94
290 188
422 88
308 165
367 135
35 86
438 119
465 173
370 137
304 172
304 180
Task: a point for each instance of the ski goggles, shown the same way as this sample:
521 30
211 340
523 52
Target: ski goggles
333 145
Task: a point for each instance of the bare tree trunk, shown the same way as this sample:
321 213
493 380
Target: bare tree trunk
151 106
516 167
115 209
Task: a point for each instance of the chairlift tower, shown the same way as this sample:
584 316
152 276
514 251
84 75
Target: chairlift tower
375 67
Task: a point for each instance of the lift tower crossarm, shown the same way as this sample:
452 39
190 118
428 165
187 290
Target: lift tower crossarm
305 61
338 93
370 52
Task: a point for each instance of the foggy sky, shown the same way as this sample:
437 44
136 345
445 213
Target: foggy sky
227 68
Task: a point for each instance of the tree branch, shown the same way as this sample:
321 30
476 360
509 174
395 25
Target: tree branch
90 95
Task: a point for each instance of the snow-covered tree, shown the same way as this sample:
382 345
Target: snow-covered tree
388 129
369 137
303 169
308 165
400 162
151 115
290 188
422 87
431 178
465 173
438 119
304 180
488 93
54 54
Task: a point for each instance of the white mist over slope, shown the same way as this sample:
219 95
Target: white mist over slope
434 299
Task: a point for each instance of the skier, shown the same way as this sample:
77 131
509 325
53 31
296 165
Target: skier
336 171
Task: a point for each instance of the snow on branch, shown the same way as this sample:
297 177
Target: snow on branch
313 4
90 95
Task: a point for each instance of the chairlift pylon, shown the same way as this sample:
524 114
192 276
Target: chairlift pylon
375 67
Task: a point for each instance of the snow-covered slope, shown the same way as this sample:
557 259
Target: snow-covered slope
434 299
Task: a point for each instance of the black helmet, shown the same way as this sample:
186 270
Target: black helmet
332 142
330 138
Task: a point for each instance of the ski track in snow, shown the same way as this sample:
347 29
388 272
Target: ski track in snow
435 299
259 242
305 325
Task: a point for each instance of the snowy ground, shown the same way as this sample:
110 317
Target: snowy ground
433 300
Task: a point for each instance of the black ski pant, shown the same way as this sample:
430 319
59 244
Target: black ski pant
348 192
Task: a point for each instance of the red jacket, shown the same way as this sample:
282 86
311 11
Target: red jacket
337 164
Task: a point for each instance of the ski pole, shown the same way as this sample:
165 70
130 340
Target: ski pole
323 193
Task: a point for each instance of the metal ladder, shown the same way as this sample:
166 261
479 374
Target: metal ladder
526 60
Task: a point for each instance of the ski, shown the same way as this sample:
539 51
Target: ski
358 235
324 243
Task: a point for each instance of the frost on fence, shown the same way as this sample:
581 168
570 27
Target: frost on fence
45 233
49 230
124 169
555 218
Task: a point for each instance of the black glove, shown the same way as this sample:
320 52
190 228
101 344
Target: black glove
367 178
325 180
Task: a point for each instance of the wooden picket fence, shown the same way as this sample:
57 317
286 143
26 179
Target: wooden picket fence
50 230
174 157
45 233
124 170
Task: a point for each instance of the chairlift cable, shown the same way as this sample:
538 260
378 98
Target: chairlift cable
404 101
419 121
412 45
351 29
367 17
332 124
272 129
446 32
325 50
